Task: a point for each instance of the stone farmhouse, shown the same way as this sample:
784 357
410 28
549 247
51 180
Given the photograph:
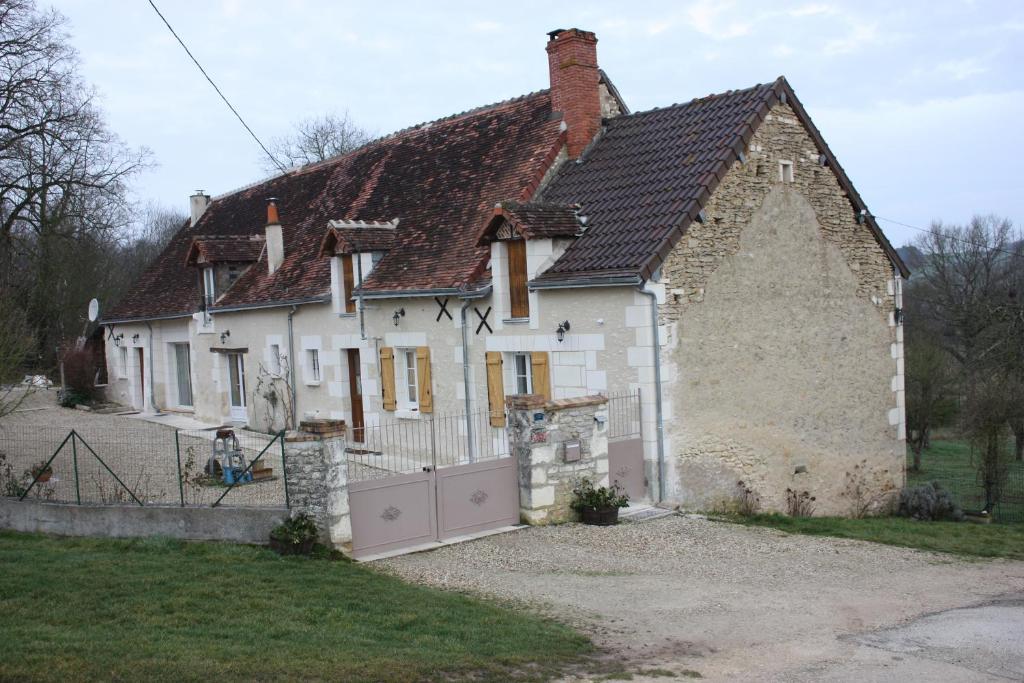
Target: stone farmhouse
711 256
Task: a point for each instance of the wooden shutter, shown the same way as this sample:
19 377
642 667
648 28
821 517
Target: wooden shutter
518 295
426 398
349 279
541 374
495 389
387 377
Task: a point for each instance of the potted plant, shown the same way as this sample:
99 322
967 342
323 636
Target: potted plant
295 536
42 472
600 505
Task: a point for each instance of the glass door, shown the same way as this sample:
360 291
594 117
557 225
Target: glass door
236 381
183 372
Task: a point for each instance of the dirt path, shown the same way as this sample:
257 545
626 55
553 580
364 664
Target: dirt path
730 602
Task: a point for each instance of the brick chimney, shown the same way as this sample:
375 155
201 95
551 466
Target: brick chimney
572 63
275 238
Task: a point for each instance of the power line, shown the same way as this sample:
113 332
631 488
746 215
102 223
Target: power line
951 237
203 71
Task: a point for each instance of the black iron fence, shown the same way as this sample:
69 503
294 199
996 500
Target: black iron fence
1002 498
141 463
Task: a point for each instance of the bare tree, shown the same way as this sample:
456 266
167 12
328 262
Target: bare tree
318 138
16 345
930 386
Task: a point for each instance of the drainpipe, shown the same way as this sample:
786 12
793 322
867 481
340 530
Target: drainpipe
465 380
359 298
152 391
659 415
291 364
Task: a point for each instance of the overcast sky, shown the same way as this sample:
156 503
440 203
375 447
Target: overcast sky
921 101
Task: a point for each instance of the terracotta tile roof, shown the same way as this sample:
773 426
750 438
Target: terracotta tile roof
534 220
352 237
442 179
649 174
228 249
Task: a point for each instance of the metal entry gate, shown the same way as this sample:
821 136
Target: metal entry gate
413 483
626 446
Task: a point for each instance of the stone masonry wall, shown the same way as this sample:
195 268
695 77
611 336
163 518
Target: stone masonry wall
782 359
318 482
538 432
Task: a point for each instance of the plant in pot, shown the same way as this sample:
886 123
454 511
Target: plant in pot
295 536
41 472
598 505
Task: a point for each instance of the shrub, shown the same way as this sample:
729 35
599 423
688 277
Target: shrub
600 498
930 503
748 502
799 503
295 536
79 376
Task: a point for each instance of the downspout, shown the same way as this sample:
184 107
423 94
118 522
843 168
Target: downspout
291 364
659 415
465 380
152 391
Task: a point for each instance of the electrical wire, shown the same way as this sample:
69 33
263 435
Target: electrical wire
951 237
210 80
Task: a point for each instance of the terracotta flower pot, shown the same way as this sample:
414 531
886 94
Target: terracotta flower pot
600 517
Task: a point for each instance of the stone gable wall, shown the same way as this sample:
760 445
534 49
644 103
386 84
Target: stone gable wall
782 360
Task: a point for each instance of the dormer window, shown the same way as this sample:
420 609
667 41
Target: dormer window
209 287
348 281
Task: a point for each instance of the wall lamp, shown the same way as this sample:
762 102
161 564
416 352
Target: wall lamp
224 336
563 327
898 316
118 338
135 338
399 314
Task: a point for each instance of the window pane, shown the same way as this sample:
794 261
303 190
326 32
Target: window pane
522 379
410 368
181 358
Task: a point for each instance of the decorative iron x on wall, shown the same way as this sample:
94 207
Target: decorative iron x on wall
444 309
483 319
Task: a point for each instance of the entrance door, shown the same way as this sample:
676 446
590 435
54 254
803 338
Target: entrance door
355 392
142 378
236 380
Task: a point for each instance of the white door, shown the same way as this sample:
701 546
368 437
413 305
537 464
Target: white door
236 380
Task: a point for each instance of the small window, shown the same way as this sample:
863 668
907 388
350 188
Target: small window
409 393
314 365
209 288
123 365
786 171
275 359
233 273
523 375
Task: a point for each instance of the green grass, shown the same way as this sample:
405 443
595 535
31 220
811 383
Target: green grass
959 538
97 609
950 463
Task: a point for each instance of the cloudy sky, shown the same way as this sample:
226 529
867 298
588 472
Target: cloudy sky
921 101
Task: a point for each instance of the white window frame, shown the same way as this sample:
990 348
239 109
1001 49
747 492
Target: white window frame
407 390
122 365
313 369
786 171
209 286
515 377
174 379
275 360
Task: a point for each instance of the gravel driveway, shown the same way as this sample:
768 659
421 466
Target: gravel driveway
730 602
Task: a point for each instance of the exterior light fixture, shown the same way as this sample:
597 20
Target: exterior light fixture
224 336
563 327
135 338
399 314
117 339
898 316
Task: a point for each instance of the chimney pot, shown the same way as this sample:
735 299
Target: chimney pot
575 85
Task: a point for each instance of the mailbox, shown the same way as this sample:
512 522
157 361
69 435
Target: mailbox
572 451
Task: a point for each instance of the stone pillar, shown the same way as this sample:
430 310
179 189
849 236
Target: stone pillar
542 435
318 477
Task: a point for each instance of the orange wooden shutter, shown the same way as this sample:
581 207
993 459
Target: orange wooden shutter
518 295
349 280
426 398
495 389
541 374
387 377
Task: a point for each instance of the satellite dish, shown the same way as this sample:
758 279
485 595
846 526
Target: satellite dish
94 310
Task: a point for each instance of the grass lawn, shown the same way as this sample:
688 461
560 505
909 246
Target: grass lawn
960 538
73 609
949 462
